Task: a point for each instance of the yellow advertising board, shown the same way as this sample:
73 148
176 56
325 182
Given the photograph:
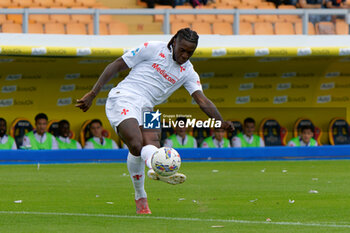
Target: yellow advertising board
284 83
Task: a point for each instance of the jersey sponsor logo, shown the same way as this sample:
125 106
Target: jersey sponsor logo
163 73
162 55
145 44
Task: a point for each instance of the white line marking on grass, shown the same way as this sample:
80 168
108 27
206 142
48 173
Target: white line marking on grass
175 219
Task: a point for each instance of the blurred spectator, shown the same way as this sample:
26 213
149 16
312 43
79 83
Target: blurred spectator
6 141
216 141
337 4
63 140
39 139
284 2
315 4
98 141
305 139
151 3
181 139
248 138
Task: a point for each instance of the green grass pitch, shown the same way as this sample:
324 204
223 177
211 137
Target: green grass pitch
217 197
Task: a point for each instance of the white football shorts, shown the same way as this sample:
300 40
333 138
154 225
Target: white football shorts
122 105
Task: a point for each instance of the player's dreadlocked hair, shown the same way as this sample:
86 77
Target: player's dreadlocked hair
186 34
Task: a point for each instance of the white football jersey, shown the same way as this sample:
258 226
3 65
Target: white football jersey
155 75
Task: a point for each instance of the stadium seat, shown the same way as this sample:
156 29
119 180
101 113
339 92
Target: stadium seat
105 18
272 132
284 28
222 28
185 18
117 28
3 19
5 3
299 28
253 3
341 28
238 129
245 28
85 133
81 18
35 28
86 3
11 28
22 3
325 28
267 18
339 131
247 18
46 3
44 18
103 29
206 18
230 3
54 28
76 29
60 18
14 18
263 28
201 133
225 18
202 28
160 18
177 26
307 122
288 18
66 3
19 127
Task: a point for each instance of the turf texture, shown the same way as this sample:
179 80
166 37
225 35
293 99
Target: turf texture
270 196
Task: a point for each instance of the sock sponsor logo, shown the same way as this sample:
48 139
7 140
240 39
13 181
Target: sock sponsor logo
137 177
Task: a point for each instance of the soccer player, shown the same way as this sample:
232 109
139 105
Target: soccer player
305 139
63 140
157 70
39 139
6 141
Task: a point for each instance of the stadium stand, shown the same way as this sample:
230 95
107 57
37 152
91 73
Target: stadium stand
299 28
341 28
103 27
222 28
272 132
54 28
339 131
76 29
263 28
245 28
35 28
118 29
303 122
325 28
284 28
11 28
202 27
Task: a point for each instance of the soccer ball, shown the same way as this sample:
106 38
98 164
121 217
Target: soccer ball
166 161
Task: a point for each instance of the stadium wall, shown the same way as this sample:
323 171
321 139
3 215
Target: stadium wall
284 77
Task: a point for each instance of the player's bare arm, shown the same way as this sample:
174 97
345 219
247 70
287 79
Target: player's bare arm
113 68
210 109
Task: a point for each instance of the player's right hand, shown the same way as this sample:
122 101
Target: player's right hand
85 102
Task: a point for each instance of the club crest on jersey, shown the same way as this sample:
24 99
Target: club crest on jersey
162 55
182 69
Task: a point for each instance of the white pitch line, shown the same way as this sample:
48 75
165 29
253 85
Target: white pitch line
176 219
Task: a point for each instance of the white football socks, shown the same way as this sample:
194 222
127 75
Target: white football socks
146 154
136 169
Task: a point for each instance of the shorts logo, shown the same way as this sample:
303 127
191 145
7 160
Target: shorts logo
125 111
151 120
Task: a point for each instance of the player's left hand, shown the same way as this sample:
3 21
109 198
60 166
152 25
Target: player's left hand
227 125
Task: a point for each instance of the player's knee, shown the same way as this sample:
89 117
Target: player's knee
135 147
